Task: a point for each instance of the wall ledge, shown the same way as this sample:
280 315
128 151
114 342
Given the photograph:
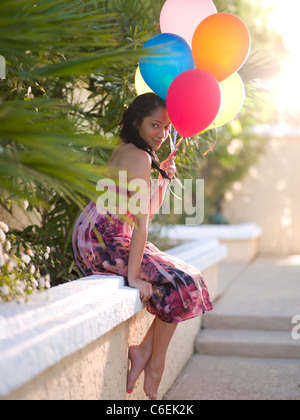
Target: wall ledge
59 322
202 253
243 231
63 320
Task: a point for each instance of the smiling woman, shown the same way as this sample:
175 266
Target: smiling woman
155 131
146 125
172 290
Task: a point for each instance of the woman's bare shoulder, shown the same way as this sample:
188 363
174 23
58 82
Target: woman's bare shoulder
130 155
136 162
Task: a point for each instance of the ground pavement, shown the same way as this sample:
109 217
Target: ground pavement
249 348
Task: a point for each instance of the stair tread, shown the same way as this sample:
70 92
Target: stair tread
248 343
259 336
247 322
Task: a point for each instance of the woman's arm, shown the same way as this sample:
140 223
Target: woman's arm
159 193
140 171
158 196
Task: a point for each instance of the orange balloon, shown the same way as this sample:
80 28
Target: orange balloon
221 45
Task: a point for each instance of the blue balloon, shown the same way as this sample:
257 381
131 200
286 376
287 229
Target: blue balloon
173 56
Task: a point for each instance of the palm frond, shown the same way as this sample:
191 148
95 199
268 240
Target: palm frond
49 47
43 147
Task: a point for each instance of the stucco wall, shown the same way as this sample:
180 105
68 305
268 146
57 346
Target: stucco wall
270 197
19 218
71 342
99 371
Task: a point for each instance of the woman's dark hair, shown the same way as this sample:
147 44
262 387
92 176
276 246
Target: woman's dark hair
143 106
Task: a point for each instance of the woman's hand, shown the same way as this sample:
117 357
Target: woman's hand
169 166
144 287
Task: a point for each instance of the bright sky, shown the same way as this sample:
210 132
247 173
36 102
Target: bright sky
285 19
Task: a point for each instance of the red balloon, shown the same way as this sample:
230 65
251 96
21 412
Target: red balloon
193 101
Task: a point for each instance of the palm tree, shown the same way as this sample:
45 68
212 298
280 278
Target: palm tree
50 48
53 150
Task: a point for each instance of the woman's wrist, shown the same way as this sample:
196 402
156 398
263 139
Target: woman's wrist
130 281
133 281
162 183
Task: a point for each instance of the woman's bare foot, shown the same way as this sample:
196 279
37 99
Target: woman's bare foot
139 358
153 376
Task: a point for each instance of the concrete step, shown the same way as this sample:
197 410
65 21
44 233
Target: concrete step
246 350
237 378
248 343
220 320
263 296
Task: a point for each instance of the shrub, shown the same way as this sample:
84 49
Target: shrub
21 267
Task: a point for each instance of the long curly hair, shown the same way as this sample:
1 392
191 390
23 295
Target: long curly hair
143 106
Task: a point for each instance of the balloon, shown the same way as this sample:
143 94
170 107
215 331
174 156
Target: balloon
221 45
181 17
193 102
140 84
233 96
175 57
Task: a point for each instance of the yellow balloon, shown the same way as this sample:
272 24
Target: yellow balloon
140 84
233 97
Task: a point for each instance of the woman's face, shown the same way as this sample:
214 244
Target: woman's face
155 129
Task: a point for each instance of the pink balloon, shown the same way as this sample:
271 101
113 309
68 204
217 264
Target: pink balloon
193 101
182 17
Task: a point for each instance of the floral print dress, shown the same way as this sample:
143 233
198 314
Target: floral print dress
179 291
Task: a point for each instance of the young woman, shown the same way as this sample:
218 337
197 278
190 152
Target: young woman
171 290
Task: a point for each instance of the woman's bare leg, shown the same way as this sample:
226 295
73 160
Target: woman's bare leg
139 357
155 368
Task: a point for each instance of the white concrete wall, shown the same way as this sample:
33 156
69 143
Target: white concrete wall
270 196
19 218
242 241
71 342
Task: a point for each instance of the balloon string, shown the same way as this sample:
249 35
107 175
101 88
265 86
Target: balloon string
172 192
209 150
174 139
213 146
171 143
177 147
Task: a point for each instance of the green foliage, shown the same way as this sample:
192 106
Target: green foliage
53 146
22 266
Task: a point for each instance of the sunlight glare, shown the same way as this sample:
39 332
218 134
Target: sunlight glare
284 18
